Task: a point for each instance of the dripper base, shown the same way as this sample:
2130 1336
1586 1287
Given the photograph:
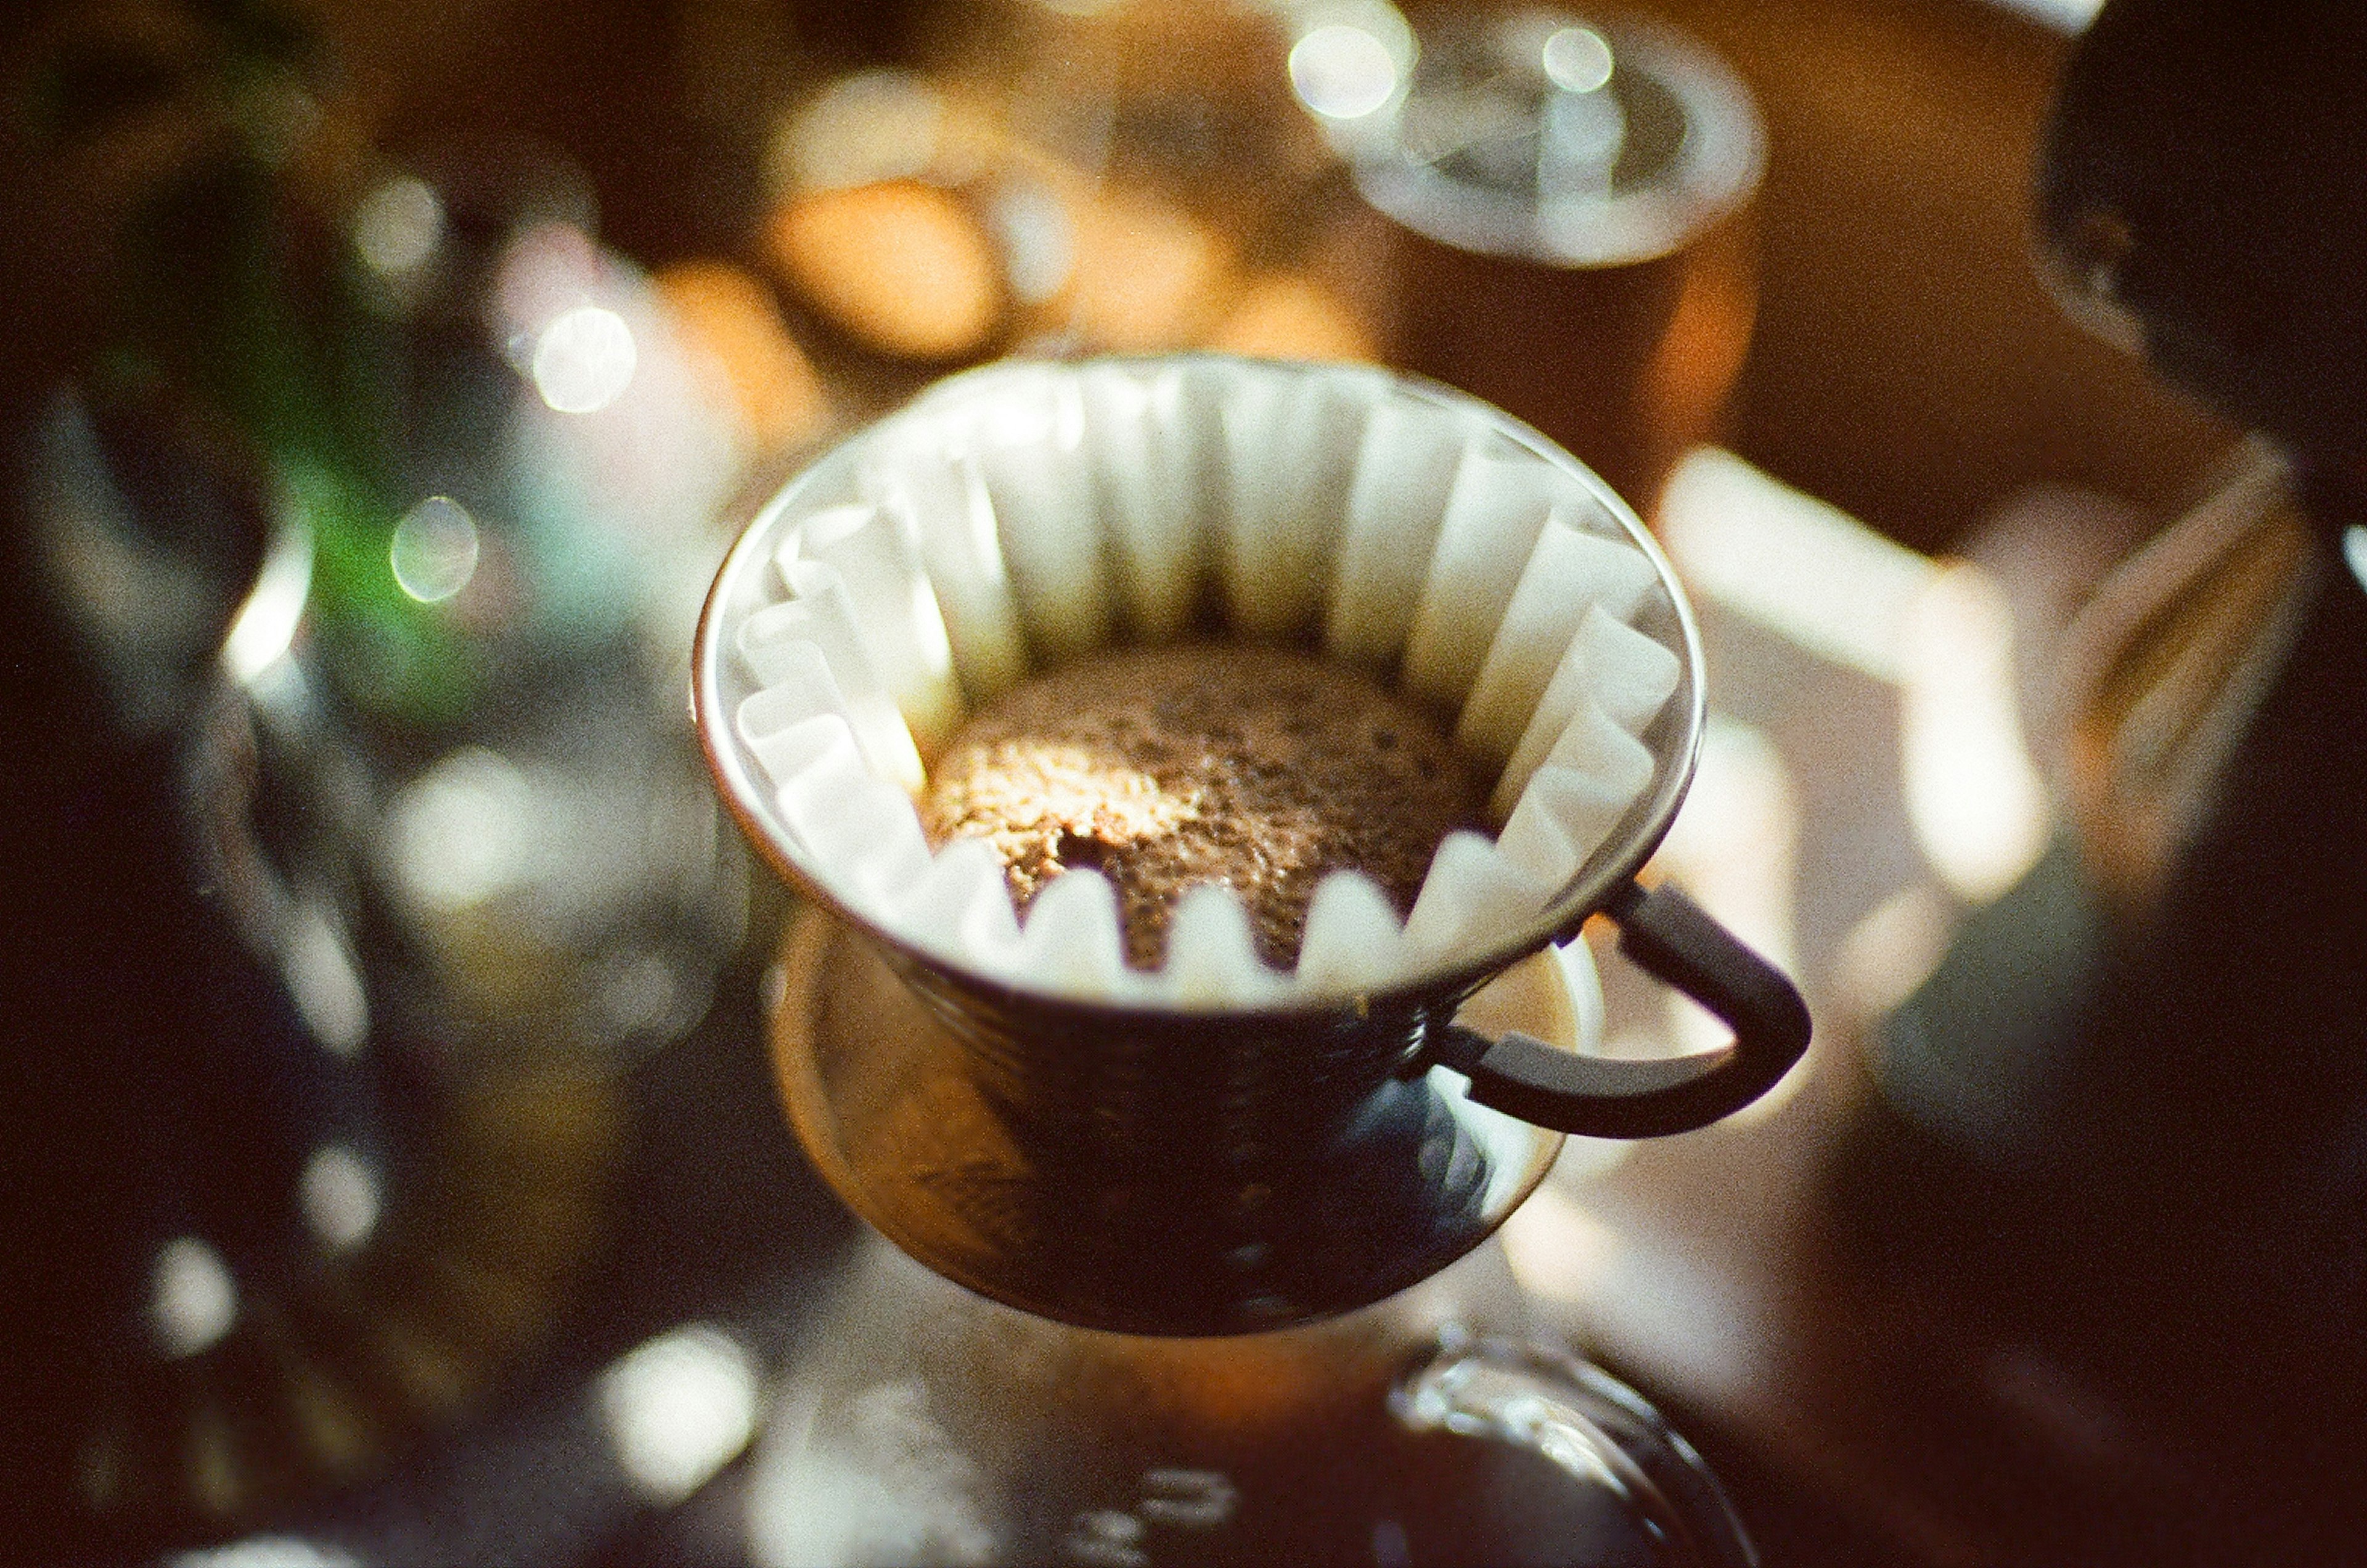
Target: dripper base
1133 1233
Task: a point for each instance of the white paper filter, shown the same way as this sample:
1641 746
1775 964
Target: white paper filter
1029 514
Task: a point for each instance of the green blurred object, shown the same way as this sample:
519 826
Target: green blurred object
232 289
393 860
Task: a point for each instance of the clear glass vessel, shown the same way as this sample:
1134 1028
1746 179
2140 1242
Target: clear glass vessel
1572 201
923 1424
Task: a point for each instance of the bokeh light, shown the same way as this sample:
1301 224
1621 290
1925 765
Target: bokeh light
463 830
398 226
734 333
435 549
1974 797
339 1192
265 1551
679 1407
903 267
322 980
1577 59
1040 242
192 1300
264 629
872 126
1145 272
584 360
1343 72
1287 316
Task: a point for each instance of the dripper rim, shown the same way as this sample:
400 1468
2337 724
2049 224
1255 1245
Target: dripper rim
1587 891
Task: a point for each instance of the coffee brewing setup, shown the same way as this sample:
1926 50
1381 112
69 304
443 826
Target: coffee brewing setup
450 1178
1216 1148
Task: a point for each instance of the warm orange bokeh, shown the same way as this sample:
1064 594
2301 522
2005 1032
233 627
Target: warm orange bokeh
1289 316
731 328
901 267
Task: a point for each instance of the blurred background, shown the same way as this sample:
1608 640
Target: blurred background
396 1170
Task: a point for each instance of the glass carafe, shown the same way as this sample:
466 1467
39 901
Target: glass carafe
927 1425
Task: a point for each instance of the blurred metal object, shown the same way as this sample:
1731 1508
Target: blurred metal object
2189 214
1574 206
276 1183
2146 1065
2211 684
2197 205
376 858
2165 669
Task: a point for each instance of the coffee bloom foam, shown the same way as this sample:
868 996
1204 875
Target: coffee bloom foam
1032 513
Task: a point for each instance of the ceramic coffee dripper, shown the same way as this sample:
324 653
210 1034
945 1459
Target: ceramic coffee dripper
1153 1168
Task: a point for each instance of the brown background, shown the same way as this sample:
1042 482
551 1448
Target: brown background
1909 364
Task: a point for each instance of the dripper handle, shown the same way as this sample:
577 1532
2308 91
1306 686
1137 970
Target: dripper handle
1670 937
